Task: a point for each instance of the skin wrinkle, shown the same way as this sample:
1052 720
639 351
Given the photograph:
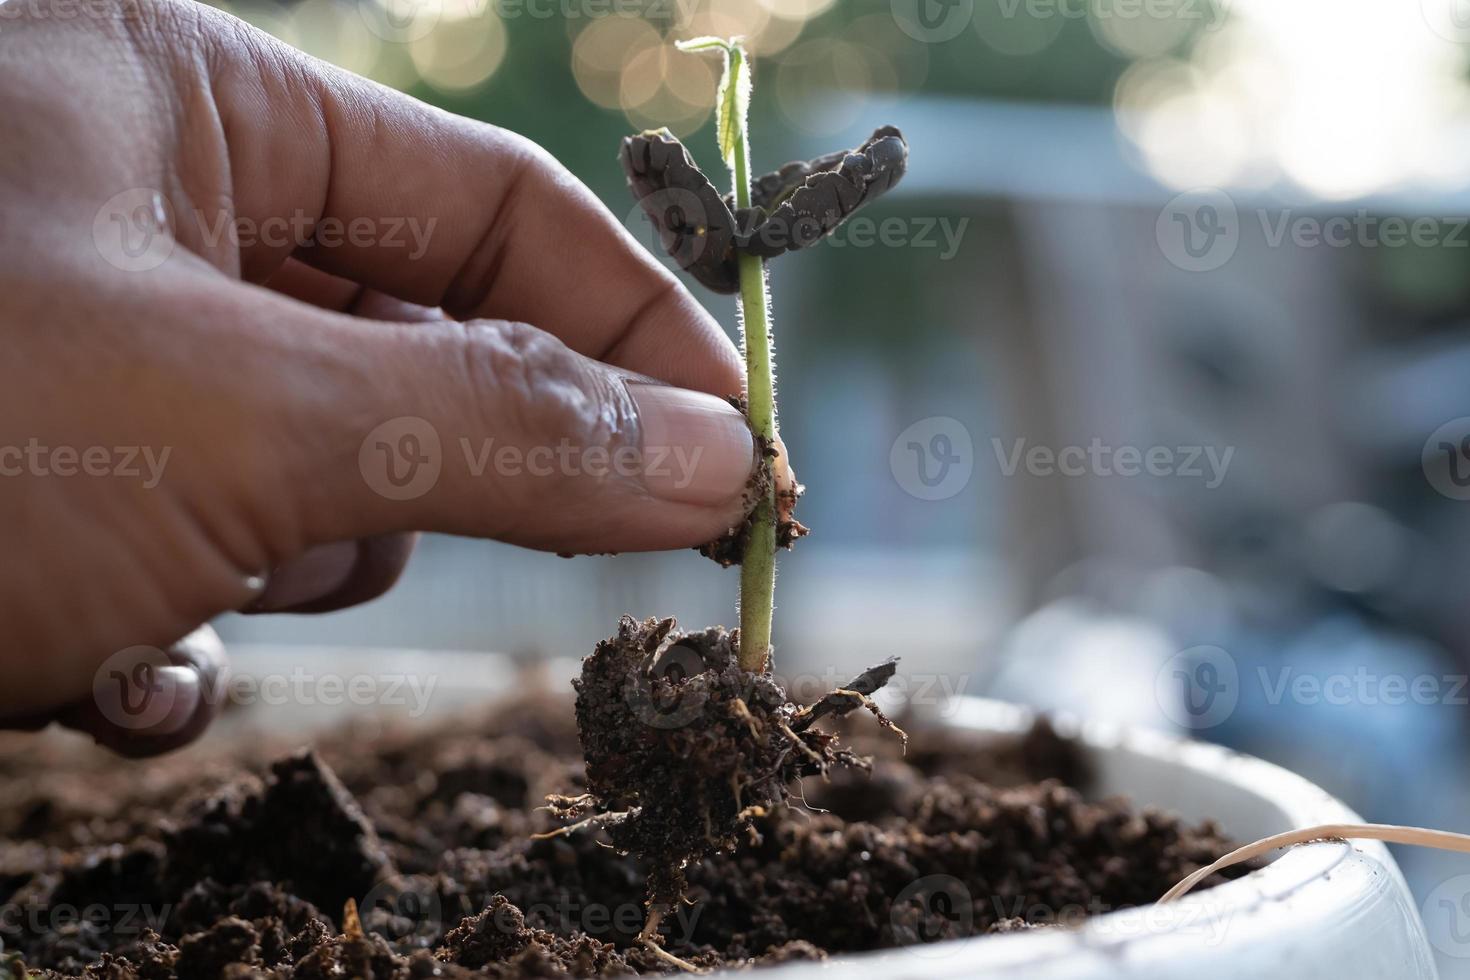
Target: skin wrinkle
469 288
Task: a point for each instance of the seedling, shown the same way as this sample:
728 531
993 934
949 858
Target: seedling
725 242
687 736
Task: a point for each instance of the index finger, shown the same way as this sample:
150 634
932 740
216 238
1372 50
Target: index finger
502 230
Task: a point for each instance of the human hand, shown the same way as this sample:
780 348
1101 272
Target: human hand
262 317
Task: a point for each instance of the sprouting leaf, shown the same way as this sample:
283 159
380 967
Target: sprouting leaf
732 103
705 43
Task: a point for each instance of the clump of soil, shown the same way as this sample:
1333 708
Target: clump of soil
729 548
684 748
236 860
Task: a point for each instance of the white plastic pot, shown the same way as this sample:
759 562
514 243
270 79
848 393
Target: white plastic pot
1329 910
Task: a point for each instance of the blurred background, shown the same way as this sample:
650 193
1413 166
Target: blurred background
1144 397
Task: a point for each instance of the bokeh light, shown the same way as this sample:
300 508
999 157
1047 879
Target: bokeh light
460 53
1145 31
1286 91
600 52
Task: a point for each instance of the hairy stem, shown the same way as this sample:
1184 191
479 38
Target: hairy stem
758 569
758 566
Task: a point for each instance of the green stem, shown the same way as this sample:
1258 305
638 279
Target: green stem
758 567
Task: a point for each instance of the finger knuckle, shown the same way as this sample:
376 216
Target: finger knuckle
528 382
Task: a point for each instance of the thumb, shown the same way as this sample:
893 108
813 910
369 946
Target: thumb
497 429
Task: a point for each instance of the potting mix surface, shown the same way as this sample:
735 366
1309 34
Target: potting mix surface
245 856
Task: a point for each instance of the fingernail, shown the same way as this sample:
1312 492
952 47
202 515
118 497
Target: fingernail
183 695
315 575
697 449
142 695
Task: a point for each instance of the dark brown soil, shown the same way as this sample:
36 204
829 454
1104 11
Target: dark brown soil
238 860
685 750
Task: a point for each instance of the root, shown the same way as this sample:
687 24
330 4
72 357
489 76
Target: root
596 820
786 730
877 712
1418 836
649 938
567 806
742 711
855 693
